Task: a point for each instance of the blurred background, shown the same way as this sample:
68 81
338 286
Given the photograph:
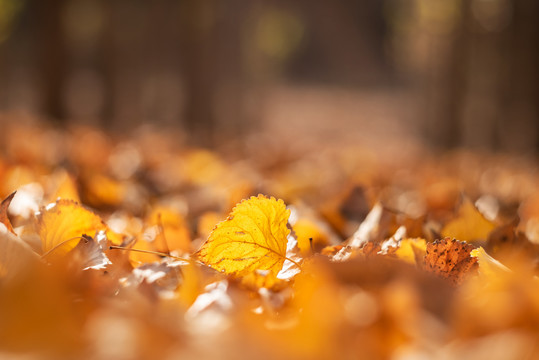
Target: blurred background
446 72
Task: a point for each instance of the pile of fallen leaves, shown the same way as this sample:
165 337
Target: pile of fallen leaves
138 247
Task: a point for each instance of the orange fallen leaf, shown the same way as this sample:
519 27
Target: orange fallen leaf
253 237
450 259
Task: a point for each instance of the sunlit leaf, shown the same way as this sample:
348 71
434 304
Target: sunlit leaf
60 226
253 237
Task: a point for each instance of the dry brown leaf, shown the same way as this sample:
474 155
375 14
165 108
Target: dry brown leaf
450 259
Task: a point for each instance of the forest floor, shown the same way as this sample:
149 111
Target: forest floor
332 234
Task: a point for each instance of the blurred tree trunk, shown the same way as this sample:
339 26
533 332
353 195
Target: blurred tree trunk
445 85
197 28
519 128
51 56
483 84
213 69
231 87
345 42
105 65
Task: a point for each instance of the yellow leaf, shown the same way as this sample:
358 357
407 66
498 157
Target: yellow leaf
61 224
469 225
253 237
488 266
412 250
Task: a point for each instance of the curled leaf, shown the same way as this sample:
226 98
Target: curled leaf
488 266
90 251
3 212
253 237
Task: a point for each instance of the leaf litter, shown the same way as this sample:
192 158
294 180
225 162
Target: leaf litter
142 247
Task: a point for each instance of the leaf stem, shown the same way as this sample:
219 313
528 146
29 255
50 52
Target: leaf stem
113 247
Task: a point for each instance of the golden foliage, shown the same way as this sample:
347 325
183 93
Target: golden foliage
253 237
386 284
60 226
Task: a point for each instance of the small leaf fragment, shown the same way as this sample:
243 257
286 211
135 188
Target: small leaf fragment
412 250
